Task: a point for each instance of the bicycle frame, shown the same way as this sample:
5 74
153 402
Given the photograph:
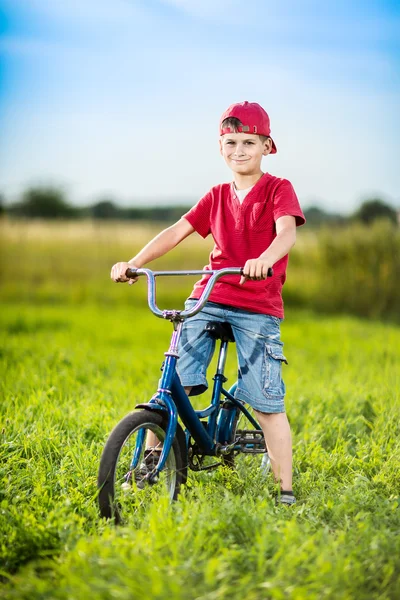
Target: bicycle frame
171 396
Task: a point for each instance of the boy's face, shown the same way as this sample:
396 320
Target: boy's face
243 152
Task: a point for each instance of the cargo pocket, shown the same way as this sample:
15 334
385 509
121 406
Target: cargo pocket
273 385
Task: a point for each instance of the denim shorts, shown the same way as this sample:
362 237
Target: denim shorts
259 353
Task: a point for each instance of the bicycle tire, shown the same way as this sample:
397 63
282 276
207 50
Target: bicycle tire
113 498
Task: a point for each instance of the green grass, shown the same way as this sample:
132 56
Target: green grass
77 353
70 371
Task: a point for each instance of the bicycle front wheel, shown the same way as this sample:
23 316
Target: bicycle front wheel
126 460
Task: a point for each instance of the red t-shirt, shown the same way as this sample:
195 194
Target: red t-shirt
241 232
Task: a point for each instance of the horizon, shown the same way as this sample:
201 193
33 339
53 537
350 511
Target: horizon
185 204
122 100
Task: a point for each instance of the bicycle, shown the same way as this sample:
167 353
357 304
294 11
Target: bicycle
131 474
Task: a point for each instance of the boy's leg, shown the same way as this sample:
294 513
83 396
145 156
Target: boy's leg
260 384
278 437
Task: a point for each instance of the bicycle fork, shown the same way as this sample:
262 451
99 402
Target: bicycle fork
169 399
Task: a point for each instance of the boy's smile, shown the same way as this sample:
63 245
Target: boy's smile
243 152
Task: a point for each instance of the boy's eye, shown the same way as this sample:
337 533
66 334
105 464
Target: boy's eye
249 143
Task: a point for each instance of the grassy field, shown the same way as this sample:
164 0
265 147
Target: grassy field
74 361
351 270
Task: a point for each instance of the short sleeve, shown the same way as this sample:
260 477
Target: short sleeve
286 203
200 215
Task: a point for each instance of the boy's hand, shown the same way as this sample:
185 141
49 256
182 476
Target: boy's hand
118 273
255 269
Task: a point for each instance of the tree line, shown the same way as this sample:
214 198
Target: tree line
51 203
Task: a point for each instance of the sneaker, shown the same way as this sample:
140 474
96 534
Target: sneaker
148 464
287 499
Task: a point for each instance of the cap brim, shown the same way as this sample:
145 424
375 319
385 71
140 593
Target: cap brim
274 148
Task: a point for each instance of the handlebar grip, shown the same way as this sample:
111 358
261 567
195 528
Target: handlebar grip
269 274
130 273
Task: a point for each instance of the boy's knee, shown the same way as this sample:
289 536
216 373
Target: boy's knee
272 418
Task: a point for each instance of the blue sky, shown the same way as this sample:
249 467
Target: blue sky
122 98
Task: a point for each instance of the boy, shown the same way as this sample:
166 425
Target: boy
253 222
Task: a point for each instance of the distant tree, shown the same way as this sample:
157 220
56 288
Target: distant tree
370 210
44 203
167 213
317 216
105 209
2 209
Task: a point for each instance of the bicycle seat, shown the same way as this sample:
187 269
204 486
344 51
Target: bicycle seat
220 331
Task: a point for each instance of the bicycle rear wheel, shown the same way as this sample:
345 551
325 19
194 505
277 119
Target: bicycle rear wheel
123 487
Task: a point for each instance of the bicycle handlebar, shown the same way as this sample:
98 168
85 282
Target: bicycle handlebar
182 314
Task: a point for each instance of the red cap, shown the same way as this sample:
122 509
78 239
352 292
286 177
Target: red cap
253 117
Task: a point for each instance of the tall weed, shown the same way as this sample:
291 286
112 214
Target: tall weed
354 269
359 271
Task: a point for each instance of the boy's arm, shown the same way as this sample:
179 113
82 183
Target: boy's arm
257 268
158 246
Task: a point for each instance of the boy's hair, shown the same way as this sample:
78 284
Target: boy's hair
233 123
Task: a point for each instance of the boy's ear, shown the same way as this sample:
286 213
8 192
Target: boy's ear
267 146
220 145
